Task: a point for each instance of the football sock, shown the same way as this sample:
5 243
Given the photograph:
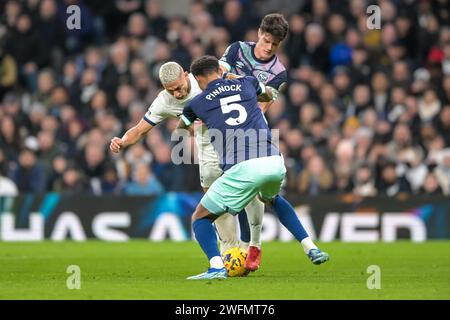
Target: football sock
255 212
216 262
244 227
206 237
308 244
226 228
288 217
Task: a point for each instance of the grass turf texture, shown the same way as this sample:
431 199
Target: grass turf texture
145 270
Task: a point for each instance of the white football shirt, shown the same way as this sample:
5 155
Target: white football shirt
166 106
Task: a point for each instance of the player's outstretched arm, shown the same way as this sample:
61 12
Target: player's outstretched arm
130 137
231 76
265 101
182 125
266 98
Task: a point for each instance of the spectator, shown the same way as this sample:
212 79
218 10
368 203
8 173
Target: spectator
401 141
155 18
364 182
443 124
361 100
110 182
380 85
117 70
12 11
316 178
360 65
73 182
295 39
25 46
314 51
10 140
55 178
48 149
431 185
355 97
390 184
94 166
144 183
29 175
137 155
415 170
170 175
442 171
429 106
234 20
45 85
50 27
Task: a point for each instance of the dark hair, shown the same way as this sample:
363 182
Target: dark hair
205 65
276 25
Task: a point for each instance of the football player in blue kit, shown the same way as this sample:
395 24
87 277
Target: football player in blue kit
251 163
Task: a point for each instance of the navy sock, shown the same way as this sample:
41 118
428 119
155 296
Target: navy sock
243 225
288 217
206 237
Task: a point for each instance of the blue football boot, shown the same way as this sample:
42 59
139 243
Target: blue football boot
211 274
317 257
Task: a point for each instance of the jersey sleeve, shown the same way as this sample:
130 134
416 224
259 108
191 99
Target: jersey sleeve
258 86
279 82
188 115
155 114
230 56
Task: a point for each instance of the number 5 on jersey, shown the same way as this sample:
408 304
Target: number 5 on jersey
227 105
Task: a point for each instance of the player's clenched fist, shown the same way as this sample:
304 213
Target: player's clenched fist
116 144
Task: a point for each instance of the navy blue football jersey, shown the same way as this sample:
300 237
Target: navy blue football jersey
237 128
239 58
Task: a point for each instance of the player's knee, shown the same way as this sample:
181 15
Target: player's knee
195 216
208 177
199 213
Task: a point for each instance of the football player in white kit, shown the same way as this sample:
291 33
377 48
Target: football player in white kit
179 88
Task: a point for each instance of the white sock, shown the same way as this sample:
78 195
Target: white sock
255 213
216 262
308 244
226 228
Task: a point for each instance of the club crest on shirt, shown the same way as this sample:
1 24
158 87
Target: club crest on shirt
262 76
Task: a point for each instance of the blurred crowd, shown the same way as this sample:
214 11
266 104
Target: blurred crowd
366 111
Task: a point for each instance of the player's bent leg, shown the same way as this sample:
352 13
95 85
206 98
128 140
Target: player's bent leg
289 219
232 192
226 226
255 212
272 178
206 236
227 231
286 213
244 230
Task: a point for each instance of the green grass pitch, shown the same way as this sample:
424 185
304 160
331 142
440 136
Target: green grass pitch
146 270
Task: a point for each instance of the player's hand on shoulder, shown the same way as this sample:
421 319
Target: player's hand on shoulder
116 144
231 76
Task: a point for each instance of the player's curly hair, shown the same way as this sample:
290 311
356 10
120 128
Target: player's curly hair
276 25
205 65
169 72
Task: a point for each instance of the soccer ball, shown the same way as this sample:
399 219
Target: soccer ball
234 259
